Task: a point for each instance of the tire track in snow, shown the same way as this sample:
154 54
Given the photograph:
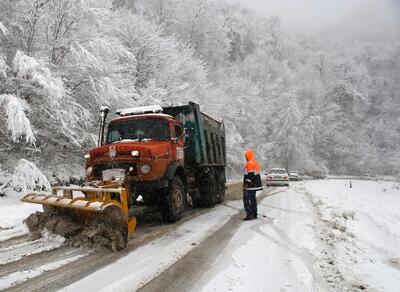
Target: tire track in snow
26 274
185 272
35 260
26 248
72 271
303 254
13 241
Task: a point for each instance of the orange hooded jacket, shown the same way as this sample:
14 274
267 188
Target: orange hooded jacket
252 177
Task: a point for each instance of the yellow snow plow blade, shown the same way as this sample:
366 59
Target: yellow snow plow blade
108 203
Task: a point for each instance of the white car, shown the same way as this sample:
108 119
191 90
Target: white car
277 177
294 175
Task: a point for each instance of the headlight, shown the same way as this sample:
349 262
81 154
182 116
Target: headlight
135 153
87 155
145 168
89 171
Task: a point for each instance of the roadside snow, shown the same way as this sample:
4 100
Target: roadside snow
360 228
13 212
26 177
143 264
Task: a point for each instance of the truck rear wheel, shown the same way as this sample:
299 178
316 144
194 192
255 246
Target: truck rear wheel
174 202
208 188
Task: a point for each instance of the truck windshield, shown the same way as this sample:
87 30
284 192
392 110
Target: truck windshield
141 129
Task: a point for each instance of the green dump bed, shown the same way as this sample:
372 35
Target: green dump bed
205 140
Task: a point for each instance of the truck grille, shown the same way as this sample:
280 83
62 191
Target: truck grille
98 169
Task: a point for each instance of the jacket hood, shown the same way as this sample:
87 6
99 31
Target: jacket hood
249 155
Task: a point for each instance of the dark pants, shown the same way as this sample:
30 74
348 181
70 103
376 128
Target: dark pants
250 203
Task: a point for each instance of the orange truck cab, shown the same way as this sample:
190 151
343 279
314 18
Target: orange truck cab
165 157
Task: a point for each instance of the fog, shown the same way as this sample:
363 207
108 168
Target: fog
372 20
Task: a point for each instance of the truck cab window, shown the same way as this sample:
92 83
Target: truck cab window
177 131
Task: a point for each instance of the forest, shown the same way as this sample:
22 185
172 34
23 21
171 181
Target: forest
300 103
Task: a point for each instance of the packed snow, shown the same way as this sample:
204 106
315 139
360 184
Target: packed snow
21 276
145 263
272 253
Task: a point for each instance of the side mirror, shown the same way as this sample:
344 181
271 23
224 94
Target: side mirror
174 139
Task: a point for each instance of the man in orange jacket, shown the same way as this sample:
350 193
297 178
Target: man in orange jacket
251 184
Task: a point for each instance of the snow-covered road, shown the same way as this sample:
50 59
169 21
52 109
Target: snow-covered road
314 236
272 253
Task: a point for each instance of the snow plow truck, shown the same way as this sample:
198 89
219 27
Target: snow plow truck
166 158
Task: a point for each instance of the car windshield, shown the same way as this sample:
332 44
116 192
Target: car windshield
279 171
137 130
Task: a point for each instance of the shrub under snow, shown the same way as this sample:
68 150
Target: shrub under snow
17 122
28 177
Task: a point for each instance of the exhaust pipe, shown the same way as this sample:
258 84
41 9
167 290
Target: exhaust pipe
103 115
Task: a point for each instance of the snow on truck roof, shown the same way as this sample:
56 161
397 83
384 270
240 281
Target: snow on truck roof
150 109
142 111
128 117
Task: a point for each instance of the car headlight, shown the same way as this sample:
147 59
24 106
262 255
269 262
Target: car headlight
87 156
135 153
89 171
145 168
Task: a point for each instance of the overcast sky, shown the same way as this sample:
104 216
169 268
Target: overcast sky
375 16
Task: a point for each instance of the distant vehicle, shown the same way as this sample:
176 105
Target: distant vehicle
277 177
294 176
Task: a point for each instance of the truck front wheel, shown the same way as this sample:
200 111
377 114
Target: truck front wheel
173 204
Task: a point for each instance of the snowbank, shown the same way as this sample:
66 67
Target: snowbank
26 177
360 230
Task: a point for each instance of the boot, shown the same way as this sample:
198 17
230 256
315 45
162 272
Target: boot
248 217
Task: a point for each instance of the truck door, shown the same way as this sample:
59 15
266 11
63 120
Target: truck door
178 143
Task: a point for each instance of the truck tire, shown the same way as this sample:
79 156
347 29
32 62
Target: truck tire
174 202
221 188
208 188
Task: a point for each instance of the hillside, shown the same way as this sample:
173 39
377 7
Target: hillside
300 103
